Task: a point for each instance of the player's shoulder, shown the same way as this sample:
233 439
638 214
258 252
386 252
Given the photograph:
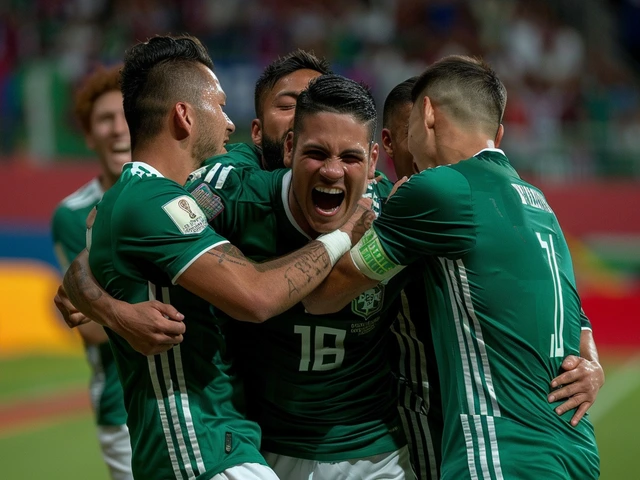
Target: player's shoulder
442 182
139 187
84 198
72 210
237 155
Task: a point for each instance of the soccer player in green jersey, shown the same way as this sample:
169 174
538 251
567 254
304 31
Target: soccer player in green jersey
98 108
319 387
417 372
150 240
412 357
500 286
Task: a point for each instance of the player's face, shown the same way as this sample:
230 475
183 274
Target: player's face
108 135
331 164
277 115
215 126
399 129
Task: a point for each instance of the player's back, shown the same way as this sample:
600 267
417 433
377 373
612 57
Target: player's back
513 315
185 405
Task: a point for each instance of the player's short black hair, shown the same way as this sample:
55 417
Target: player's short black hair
336 94
156 74
283 66
467 88
400 95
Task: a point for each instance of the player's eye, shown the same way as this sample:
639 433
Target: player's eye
316 154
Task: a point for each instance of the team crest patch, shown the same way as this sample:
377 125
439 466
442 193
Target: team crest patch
210 203
186 214
369 303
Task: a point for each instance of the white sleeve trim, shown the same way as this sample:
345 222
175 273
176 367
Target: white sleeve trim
587 328
197 256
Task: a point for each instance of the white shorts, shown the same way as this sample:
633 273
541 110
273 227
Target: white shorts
247 471
388 466
116 450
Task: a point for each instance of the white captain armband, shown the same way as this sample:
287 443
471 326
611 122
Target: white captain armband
370 258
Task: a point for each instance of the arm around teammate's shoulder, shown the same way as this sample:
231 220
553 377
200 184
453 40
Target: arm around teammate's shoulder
430 214
255 292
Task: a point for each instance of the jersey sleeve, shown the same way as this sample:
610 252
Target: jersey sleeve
163 225
68 233
430 214
585 323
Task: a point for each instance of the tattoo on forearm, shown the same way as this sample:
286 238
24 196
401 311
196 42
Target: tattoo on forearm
228 253
80 286
310 262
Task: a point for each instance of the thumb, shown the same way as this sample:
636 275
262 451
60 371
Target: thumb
570 362
168 311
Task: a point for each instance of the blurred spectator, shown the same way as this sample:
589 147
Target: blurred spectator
576 104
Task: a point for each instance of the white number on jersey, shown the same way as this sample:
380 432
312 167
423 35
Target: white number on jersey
324 357
557 345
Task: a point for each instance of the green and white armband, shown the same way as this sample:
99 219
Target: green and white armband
370 258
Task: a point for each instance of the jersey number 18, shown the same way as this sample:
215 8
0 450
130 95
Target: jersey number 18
325 357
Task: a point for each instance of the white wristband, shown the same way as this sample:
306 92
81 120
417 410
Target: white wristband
337 243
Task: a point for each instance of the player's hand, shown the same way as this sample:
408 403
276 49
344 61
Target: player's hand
396 186
360 221
72 316
150 327
579 384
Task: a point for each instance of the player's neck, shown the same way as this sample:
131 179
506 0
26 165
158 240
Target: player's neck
298 215
462 146
173 163
106 180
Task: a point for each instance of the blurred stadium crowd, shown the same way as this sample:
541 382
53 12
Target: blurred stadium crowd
571 67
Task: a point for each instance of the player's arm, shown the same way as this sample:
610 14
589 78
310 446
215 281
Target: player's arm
150 327
430 214
582 379
255 292
69 238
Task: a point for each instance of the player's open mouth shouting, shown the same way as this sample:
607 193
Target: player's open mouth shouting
327 200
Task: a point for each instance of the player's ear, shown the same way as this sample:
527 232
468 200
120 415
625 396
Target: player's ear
182 116
288 150
428 113
499 136
386 142
256 132
373 160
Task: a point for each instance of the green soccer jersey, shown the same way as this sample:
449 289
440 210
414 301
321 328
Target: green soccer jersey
69 229
319 386
185 405
413 363
504 312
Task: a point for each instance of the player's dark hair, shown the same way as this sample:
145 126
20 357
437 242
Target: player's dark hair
157 74
399 96
467 88
283 66
336 94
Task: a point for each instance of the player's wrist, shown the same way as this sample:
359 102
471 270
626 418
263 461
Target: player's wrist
336 243
371 260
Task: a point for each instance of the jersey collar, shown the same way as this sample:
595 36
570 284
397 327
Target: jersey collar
286 185
497 150
142 169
